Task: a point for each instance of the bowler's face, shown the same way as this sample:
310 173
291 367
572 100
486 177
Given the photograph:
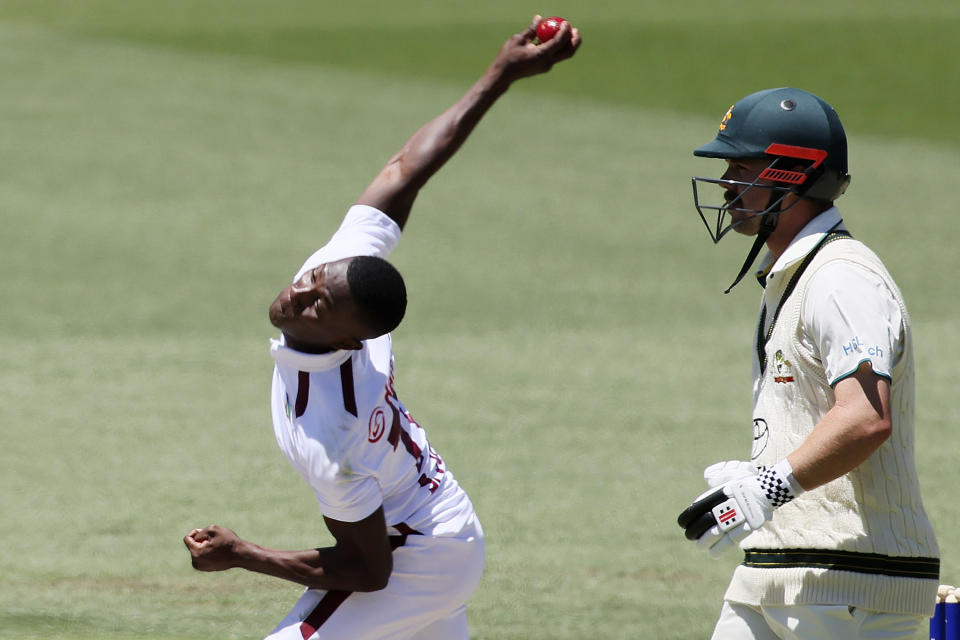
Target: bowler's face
317 313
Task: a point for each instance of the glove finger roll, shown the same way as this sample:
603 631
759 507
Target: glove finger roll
700 526
696 512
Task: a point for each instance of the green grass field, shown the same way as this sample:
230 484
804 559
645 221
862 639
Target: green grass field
166 166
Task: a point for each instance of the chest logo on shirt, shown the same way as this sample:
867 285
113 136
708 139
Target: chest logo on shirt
377 425
784 369
761 435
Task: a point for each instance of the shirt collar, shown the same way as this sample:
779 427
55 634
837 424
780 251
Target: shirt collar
301 361
803 243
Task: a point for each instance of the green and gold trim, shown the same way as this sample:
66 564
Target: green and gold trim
872 563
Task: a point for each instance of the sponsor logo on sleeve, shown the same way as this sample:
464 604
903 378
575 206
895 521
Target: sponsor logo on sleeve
855 345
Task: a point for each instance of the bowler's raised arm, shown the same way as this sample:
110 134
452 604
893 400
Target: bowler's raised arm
396 186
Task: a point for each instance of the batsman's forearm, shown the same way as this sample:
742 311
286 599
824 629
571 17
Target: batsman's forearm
857 425
837 445
314 568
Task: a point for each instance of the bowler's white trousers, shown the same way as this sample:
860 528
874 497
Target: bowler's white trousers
813 622
425 599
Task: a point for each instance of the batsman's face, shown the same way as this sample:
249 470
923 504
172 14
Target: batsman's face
317 313
745 200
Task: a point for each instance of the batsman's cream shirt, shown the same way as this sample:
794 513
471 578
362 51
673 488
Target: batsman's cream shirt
864 539
339 422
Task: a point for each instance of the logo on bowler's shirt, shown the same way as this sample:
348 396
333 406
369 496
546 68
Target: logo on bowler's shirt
377 425
783 367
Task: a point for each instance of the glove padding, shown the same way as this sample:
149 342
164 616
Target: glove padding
742 498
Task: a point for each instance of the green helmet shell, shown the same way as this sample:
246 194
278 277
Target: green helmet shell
785 116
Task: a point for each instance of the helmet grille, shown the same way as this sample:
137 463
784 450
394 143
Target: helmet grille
782 175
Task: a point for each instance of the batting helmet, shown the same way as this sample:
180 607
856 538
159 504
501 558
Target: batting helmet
794 129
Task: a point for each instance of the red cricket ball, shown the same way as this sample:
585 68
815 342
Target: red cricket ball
548 28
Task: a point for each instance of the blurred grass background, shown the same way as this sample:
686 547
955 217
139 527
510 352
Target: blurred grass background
166 166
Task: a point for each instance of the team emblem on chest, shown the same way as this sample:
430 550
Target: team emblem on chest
783 367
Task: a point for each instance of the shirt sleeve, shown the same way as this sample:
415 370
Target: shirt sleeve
342 493
851 317
365 231
349 499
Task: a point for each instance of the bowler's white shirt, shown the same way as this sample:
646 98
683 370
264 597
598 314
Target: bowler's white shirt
353 441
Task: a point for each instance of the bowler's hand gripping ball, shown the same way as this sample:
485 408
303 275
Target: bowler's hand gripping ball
548 28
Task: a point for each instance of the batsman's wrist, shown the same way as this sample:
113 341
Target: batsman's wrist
778 484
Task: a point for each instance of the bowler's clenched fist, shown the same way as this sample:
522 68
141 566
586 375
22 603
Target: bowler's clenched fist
212 548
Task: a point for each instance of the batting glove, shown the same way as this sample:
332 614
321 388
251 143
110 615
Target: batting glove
742 498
